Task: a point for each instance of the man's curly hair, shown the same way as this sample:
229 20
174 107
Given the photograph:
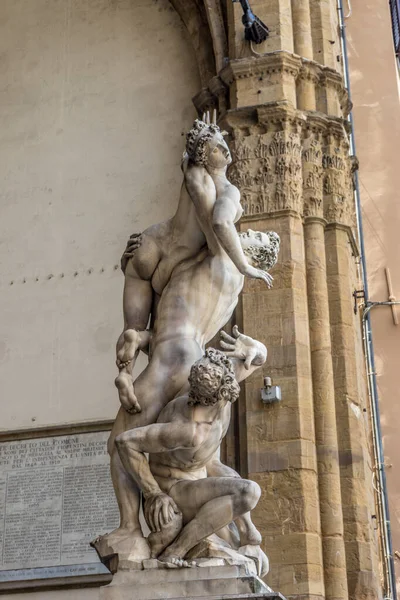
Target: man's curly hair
212 379
196 141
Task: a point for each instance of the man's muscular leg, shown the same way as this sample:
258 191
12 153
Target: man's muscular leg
129 533
159 383
207 506
126 491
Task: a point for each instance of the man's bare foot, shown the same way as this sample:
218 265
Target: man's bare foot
174 562
129 350
127 397
119 534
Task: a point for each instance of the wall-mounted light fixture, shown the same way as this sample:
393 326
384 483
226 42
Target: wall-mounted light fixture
254 29
270 393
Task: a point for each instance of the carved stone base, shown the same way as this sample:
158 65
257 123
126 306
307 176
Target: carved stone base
212 579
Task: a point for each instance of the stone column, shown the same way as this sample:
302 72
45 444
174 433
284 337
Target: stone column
356 476
277 14
325 35
279 440
286 113
302 28
322 370
349 375
303 47
324 412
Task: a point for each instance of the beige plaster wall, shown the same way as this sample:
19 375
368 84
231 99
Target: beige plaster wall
95 96
375 90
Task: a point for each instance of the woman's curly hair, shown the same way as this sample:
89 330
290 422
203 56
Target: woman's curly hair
212 379
197 139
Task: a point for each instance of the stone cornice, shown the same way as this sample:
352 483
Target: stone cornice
274 62
319 122
282 61
272 67
281 113
310 70
332 77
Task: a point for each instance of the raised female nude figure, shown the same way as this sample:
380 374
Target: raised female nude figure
209 206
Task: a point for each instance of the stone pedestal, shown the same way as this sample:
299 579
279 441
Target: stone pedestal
213 580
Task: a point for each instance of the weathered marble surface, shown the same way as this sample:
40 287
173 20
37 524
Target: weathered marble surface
184 482
210 580
184 277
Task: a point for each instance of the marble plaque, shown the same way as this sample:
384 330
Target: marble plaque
56 496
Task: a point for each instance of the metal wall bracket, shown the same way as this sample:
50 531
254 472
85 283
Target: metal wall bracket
392 298
358 295
270 393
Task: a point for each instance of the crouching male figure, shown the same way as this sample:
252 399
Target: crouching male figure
178 482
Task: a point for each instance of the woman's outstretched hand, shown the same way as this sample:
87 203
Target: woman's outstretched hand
243 347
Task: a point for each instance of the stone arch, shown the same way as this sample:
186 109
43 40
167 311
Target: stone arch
204 23
216 24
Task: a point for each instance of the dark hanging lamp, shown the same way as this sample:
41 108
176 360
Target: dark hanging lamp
254 29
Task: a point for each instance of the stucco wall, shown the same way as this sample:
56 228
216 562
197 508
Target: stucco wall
95 97
375 90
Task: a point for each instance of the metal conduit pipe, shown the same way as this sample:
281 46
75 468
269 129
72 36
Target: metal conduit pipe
381 489
379 474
